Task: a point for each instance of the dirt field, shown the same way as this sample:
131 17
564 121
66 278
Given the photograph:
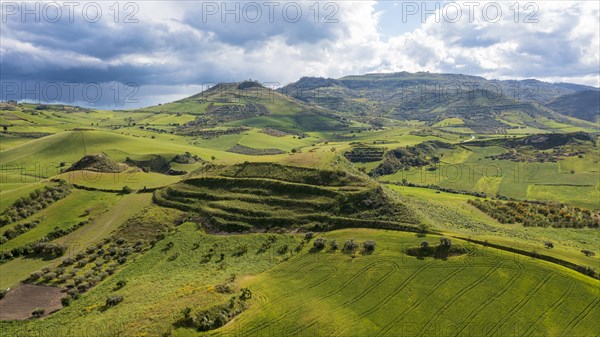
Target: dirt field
23 299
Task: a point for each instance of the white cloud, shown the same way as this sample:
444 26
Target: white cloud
172 46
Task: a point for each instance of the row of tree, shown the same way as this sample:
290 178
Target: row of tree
34 202
538 214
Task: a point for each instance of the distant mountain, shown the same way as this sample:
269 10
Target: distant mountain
485 106
582 104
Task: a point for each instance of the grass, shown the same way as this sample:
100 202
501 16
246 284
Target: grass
450 213
299 292
115 181
81 206
233 199
106 219
159 287
388 293
385 293
470 169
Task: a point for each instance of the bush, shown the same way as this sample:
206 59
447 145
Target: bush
66 301
127 190
319 243
445 242
350 246
3 293
369 246
334 245
36 275
113 300
246 294
224 288
49 276
38 312
308 236
121 284
588 253
68 261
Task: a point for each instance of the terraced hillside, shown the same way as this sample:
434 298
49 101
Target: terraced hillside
256 197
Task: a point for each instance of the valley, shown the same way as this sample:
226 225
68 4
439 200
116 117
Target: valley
372 205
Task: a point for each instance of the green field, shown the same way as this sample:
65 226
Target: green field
216 194
333 294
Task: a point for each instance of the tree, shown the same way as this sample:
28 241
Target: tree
445 242
334 245
113 300
369 246
588 253
548 245
350 246
308 236
424 245
246 294
319 243
38 312
127 190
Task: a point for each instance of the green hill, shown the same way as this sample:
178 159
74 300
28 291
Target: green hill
582 104
484 106
250 104
258 197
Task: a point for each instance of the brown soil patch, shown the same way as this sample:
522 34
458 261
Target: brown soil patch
23 299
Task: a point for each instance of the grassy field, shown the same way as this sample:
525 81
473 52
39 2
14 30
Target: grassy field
324 293
571 180
82 206
388 293
451 214
269 201
107 212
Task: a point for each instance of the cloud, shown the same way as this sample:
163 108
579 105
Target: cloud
181 45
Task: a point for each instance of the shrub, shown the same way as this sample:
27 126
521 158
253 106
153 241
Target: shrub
36 275
224 288
424 245
350 246
49 276
308 236
283 249
127 190
588 253
445 242
121 284
246 294
369 246
113 300
334 245
548 245
3 293
66 301
68 261
319 243
38 312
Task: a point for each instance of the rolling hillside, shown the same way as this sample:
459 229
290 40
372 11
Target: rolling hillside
483 106
582 104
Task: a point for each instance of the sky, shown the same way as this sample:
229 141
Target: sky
131 54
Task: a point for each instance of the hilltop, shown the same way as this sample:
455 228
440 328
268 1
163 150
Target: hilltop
250 104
